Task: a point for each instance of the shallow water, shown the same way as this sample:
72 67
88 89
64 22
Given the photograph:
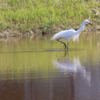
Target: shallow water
40 69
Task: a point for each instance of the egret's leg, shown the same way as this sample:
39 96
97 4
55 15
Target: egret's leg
66 52
67 44
62 42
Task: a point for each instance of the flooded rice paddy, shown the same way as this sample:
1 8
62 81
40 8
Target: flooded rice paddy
39 69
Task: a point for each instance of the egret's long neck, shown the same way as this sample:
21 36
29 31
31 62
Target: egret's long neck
81 29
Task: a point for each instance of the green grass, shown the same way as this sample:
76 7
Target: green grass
45 15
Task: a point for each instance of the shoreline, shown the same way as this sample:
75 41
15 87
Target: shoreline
7 33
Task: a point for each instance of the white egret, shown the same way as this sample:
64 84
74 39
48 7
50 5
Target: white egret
68 34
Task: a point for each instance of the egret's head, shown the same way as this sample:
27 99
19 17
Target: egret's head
87 22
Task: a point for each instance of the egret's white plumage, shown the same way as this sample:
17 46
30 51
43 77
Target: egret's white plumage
68 34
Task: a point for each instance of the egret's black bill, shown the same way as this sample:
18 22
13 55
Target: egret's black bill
90 23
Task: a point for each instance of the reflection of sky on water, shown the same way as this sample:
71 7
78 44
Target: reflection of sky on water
73 67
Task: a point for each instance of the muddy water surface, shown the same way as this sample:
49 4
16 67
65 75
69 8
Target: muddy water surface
40 69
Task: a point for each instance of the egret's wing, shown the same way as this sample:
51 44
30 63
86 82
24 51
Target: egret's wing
59 35
66 34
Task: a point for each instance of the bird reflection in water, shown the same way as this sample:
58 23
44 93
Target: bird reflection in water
73 68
